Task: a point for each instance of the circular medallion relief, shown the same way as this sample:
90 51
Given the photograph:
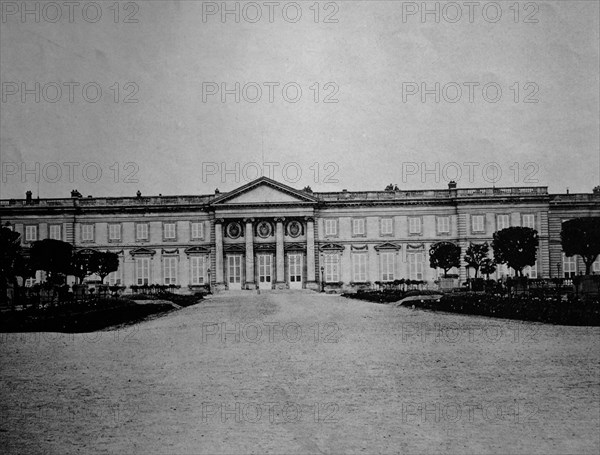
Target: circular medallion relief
234 230
264 229
294 229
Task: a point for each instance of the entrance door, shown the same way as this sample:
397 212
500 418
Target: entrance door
265 266
234 271
295 270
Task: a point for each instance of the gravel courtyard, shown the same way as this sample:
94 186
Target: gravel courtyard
303 373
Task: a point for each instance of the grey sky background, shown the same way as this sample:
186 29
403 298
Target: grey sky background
369 133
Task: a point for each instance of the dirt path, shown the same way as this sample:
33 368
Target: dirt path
303 373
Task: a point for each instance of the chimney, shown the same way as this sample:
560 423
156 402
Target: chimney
28 197
451 185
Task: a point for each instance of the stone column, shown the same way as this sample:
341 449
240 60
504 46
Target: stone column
219 253
310 255
250 284
279 254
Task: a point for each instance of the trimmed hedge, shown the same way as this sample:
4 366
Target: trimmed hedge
572 311
82 318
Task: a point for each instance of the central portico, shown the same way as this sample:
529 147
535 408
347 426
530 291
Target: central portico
265 237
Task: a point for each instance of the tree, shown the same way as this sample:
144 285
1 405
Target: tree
444 255
581 236
106 263
84 263
10 255
51 256
515 246
487 267
475 255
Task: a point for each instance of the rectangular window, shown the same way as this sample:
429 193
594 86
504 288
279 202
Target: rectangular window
530 271
170 269
503 270
359 267
141 231
387 266
477 223
332 267
387 226
30 233
330 227
529 220
443 224
55 232
502 222
169 231
198 269
414 225
197 230
142 271
87 232
358 226
415 266
114 232
569 266
596 266
114 278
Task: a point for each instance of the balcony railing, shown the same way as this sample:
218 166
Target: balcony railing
430 194
329 196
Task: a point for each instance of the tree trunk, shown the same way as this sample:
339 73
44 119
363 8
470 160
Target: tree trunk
588 265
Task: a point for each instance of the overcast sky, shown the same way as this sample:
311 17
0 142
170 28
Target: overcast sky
370 59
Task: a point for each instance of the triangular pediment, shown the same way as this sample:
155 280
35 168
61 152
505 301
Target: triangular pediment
387 246
265 191
332 247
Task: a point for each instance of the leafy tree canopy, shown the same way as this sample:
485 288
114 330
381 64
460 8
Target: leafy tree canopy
106 263
444 255
10 252
581 236
475 255
515 246
52 256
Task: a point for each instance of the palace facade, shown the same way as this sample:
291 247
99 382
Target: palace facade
267 235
